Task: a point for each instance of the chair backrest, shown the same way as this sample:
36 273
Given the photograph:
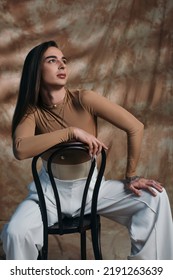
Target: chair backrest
53 152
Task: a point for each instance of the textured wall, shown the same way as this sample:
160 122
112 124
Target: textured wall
122 49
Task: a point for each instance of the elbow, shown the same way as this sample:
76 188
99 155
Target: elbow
18 151
141 126
137 129
138 126
18 155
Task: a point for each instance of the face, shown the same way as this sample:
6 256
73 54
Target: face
54 69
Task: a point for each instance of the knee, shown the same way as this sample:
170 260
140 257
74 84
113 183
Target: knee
161 201
157 202
162 196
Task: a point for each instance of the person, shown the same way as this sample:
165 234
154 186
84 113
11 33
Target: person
47 113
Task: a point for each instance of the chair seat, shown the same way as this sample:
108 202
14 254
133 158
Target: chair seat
71 225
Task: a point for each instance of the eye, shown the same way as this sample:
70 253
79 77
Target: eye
64 60
52 60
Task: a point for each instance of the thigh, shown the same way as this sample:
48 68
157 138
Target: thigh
26 217
119 204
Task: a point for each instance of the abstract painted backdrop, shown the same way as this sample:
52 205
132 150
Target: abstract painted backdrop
123 49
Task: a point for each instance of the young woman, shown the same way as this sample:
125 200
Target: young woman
48 113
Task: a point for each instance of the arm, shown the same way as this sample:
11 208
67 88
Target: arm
122 119
26 144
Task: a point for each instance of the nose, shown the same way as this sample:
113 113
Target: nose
61 65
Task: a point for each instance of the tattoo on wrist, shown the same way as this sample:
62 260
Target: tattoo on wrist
132 179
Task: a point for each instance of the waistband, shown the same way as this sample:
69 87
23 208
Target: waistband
69 172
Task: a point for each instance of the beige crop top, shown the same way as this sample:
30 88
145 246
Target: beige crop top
48 126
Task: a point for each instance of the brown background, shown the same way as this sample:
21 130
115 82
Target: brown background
123 49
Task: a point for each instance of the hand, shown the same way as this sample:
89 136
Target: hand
145 184
95 146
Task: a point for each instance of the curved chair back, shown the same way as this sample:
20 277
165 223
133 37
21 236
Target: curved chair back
70 225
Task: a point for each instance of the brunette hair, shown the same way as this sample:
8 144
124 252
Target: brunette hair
29 88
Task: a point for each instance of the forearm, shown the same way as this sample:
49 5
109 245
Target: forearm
133 151
121 118
27 147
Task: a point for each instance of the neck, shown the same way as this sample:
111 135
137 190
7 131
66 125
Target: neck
53 97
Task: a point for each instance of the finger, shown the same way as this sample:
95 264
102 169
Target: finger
155 185
104 146
153 192
99 149
158 183
101 146
95 149
90 149
134 190
146 187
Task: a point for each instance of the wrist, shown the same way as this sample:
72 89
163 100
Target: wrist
71 133
132 179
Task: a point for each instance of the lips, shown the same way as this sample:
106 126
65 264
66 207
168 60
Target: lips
61 76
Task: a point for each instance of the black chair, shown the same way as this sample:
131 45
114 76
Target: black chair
71 225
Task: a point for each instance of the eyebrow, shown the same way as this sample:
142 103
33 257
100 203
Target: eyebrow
54 56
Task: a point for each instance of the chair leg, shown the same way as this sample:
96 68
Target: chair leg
43 253
83 245
96 241
39 256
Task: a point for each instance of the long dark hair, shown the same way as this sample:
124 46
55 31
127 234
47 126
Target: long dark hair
29 88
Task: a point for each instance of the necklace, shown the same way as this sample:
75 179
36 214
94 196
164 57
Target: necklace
60 113
56 104
58 109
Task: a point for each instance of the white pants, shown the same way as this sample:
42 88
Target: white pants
147 218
